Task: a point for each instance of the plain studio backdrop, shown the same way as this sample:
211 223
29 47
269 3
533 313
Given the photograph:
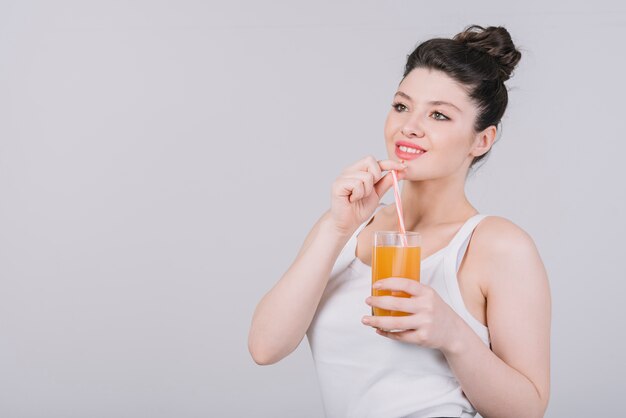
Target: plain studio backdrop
162 161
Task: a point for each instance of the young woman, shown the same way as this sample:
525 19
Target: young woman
478 335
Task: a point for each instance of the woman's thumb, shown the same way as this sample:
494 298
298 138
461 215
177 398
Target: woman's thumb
384 184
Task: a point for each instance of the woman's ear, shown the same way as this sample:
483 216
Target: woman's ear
483 141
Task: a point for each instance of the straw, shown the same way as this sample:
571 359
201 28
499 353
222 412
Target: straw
396 193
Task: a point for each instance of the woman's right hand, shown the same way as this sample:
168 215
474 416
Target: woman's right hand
358 190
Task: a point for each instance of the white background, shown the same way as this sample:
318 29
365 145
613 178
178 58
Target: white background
162 161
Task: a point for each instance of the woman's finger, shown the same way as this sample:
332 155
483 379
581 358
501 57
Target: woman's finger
344 186
412 287
366 177
383 184
358 190
393 303
405 336
387 165
375 166
351 188
389 322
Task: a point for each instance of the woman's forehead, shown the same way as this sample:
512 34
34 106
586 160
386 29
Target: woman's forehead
426 85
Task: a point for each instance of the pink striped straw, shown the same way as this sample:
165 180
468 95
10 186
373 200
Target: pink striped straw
396 193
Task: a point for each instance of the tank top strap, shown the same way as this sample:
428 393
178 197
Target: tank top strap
452 261
459 243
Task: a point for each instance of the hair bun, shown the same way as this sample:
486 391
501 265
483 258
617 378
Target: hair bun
495 41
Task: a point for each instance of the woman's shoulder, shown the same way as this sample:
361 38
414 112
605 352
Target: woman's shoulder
499 236
509 256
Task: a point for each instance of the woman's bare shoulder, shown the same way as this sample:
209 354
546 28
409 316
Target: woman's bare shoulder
518 306
497 235
507 250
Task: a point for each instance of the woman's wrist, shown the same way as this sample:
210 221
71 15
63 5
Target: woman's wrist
330 228
459 341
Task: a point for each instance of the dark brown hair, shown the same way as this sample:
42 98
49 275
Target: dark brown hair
479 58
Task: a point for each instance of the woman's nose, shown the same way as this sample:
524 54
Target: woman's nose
412 129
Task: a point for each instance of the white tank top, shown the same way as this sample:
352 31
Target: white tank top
363 374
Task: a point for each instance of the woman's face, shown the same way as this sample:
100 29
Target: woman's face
431 126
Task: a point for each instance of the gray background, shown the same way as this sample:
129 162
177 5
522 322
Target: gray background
162 161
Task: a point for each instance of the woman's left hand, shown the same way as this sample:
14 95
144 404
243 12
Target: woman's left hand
432 322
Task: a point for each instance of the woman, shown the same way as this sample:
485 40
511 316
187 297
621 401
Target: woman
478 334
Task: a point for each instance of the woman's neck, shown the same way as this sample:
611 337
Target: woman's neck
434 202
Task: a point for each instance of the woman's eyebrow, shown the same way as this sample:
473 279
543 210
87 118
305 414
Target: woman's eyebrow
403 94
432 102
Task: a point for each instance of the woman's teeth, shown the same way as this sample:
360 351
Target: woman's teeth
410 150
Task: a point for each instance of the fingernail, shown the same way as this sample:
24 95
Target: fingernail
376 285
365 320
368 300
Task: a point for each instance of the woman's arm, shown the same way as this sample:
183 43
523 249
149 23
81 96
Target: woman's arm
284 314
513 378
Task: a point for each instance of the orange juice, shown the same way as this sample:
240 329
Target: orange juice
394 261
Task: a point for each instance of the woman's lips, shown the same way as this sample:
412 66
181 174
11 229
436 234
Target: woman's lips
406 151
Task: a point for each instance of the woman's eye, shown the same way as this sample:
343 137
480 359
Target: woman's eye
440 116
398 107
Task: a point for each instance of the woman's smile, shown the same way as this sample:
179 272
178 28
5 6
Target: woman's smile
408 151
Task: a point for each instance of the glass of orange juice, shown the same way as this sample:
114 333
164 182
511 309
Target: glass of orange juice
395 254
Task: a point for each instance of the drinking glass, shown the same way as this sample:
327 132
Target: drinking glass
395 254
